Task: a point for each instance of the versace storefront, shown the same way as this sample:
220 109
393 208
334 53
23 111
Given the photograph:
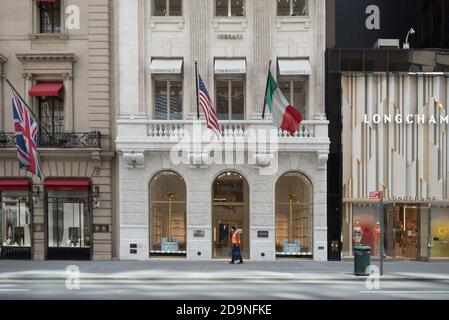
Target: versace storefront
192 216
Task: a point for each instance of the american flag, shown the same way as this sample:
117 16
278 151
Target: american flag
26 128
208 108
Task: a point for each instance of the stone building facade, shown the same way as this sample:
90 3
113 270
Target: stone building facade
186 208
57 54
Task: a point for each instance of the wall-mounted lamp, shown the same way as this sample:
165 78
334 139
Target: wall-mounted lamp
407 44
36 194
96 197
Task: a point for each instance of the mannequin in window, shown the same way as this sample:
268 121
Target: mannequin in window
376 238
357 234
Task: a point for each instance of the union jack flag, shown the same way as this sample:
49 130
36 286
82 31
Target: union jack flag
208 108
26 128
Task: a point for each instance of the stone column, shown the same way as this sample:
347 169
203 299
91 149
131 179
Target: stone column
28 85
69 116
129 57
320 20
199 28
262 52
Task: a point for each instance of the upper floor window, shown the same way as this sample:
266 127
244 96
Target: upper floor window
168 96
166 8
167 75
293 79
292 8
49 16
230 96
229 8
295 91
50 107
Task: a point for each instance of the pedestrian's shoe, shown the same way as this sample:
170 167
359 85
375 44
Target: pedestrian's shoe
240 262
231 262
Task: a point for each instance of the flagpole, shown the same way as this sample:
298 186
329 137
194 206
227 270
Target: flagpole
266 89
197 90
26 105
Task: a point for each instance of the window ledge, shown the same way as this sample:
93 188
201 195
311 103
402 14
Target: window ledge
300 22
227 21
48 36
154 21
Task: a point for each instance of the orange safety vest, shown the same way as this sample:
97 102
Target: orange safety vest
235 238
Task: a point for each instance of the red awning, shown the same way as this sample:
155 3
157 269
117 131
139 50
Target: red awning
67 184
15 184
46 89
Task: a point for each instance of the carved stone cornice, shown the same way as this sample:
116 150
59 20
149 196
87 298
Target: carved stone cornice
47 57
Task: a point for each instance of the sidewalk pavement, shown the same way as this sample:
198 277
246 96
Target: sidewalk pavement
216 270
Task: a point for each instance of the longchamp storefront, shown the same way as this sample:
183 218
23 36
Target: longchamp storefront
415 229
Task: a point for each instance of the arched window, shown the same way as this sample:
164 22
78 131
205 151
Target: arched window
168 214
294 215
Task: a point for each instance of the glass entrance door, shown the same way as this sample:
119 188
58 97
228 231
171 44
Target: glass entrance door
230 208
402 229
222 237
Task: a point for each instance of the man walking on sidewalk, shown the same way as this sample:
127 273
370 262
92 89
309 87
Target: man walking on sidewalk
235 240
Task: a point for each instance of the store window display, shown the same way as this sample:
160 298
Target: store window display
440 233
68 219
168 214
366 228
15 222
294 215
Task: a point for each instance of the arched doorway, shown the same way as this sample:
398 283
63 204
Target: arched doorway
230 208
294 216
168 215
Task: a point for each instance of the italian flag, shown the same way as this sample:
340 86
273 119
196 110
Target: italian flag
284 115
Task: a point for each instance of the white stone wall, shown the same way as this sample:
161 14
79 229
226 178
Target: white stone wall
141 37
134 204
194 35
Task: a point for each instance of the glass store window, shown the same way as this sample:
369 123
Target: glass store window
295 90
294 216
168 99
292 8
69 224
165 8
49 16
15 221
230 99
440 232
168 215
229 8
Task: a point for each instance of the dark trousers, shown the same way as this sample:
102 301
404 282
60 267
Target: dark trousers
236 254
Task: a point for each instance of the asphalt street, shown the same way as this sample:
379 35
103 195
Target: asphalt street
223 290
217 280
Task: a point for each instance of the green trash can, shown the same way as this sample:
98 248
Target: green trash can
362 260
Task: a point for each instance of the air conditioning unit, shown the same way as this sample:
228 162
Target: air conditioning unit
387 44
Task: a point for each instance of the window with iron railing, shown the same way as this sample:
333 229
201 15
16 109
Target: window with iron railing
51 118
